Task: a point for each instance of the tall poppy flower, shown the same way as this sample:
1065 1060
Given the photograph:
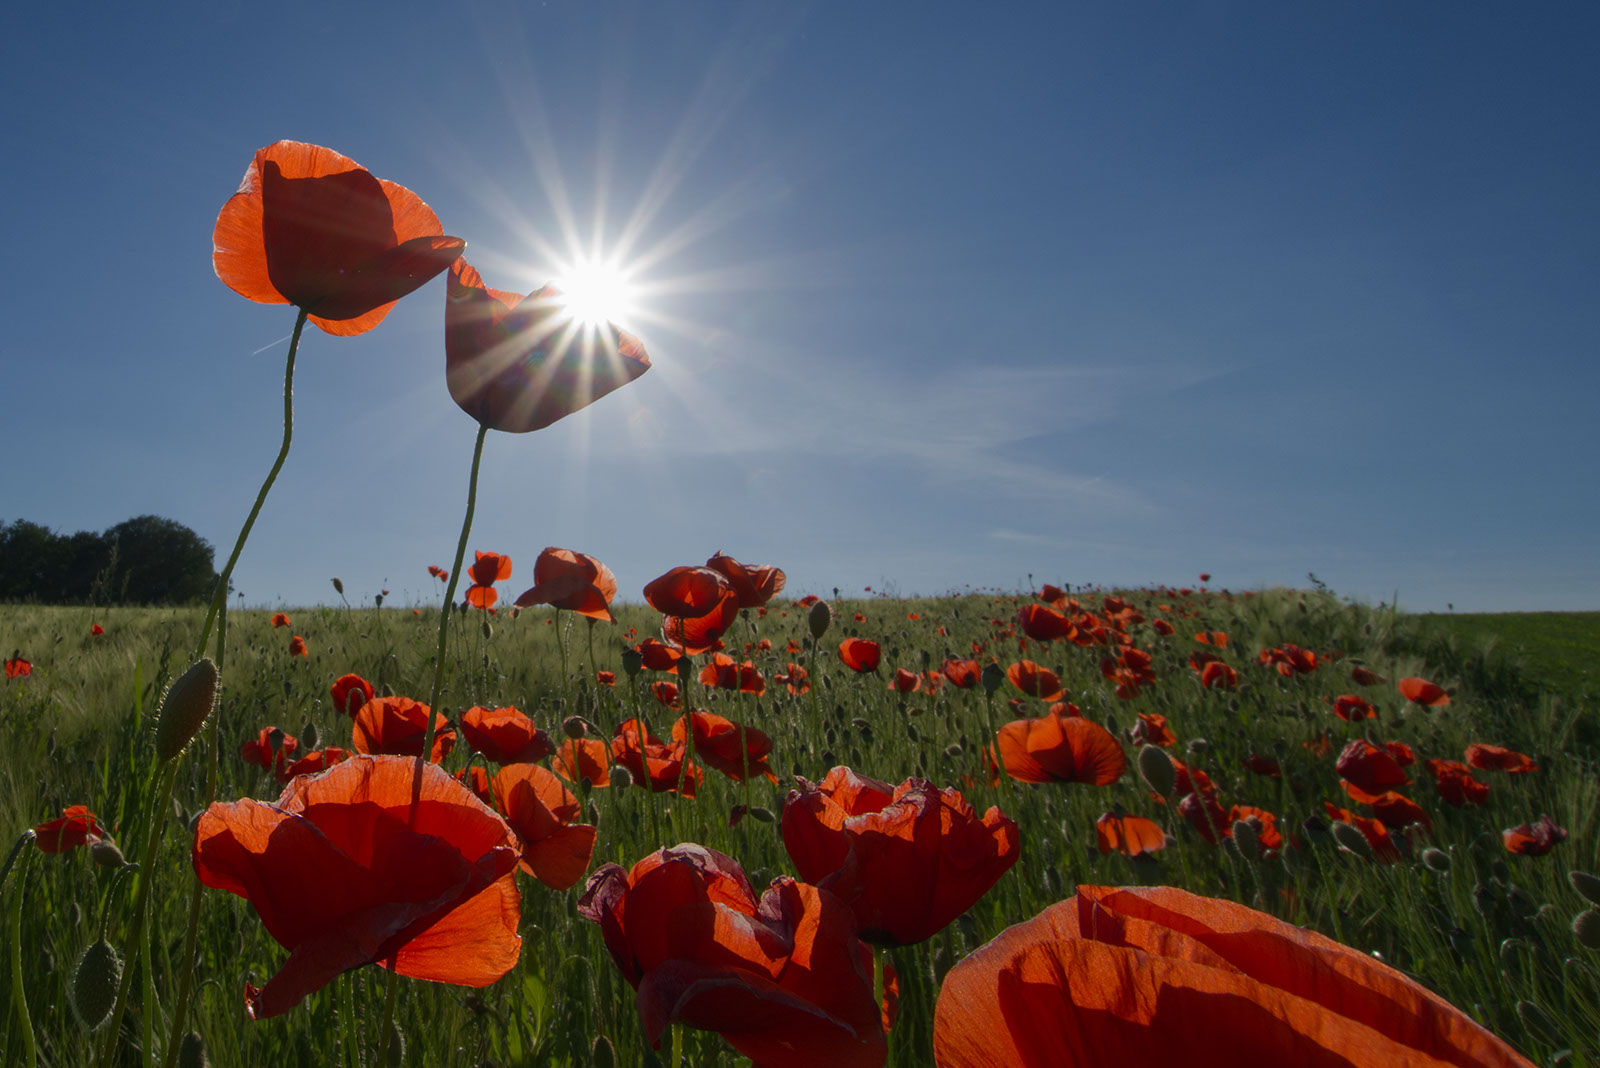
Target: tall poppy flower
1152 729
905 682
908 861
349 693
486 570
397 725
780 977
654 765
75 826
297 646
1534 839
504 735
1353 707
965 674
1043 624
697 606
754 585
1157 975
726 673
312 228
343 871
1215 675
555 849
574 581
518 363
259 750
1059 748
280 619
1422 692
657 655
726 746
860 655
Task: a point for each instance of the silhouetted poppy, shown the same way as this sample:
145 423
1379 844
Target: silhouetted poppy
396 725
717 744
1352 707
489 568
655 766
859 654
1057 748
781 977
1499 758
697 606
1534 839
1422 692
1215 675
574 581
1043 624
1130 835
1160 976
1456 784
310 227
280 619
518 363
555 850
17 667
1152 729
907 861
75 826
349 693
313 762
343 871
504 735
754 585
259 750
297 646
1035 681
583 758
1370 767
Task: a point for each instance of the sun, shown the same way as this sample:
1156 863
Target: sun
596 292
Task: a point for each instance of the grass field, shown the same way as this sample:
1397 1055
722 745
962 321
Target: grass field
1487 929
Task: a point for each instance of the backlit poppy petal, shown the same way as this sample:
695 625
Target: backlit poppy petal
505 735
859 654
1130 835
1058 748
396 726
754 585
1499 758
1423 692
555 848
75 826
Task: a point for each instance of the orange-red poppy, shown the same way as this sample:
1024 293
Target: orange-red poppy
343 871
859 654
1212 637
1353 707
555 850
795 678
313 762
1375 831
965 674
280 619
439 573
1057 748
1370 767
504 735
518 363
1215 675
474 778
1157 975
1264 823
782 977
754 585
726 673
658 767
312 228
697 605
657 655
96 630
75 826
1394 809
574 581
1499 758
1152 729
583 758
1422 692
665 692
297 646
1035 681
396 726
1362 676
1456 784
485 571
908 860
1043 624
1204 813
1130 835
259 750
349 693
717 742
1534 839
1289 659
1162 627
17 668
904 682
1187 780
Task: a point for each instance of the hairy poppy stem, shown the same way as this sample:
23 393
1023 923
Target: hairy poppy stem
220 597
19 995
878 956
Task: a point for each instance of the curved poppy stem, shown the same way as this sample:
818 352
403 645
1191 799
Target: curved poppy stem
19 994
220 597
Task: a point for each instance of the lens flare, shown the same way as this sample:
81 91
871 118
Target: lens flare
597 292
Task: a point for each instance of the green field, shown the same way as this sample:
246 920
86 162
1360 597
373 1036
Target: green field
1488 930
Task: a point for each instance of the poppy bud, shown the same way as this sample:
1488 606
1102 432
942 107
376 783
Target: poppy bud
377 600
184 708
574 727
95 980
338 587
1436 860
1585 884
953 749
1483 900
105 853
1156 769
620 778
1245 839
1198 745
309 737
1536 1020
192 1052
994 676
763 814
397 1045
1586 928
1351 839
602 1054
819 619
275 739
488 631
1522 904
632 661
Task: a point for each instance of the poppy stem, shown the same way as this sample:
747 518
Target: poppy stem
878 955
19 995
220 597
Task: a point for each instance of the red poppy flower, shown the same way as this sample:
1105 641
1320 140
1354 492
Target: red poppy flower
1401 752
606 678
860 655
1187 780
1370 767
1262 765
1161 626
1057 748
583 758
349 693
781 978
1394 809
697 605
1043 624
555 850
1289 659
1364 677
908 861
1536 839
1423 692
504 735
754 585
1157 975
796 678
1152 729
657 655
717 743
725 673
1035 681
1375 831
518 363
344 872
574 581
904 682
474 778
1204 813
75 826
659 767
280 619
259 751
1351 707
312 762
396 725
297 646
1499 758
666 693
1212 637
963 673
312 228
96 630
17 667
1215 675
1130 835
1456 784
1264 823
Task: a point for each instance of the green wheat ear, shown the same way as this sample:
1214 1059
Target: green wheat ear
184 708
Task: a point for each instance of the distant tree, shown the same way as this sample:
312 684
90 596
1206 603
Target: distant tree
30 560
159 561
146 560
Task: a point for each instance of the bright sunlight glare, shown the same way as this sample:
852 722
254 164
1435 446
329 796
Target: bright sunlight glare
597 292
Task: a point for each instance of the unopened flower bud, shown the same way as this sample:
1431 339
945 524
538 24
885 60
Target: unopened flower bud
620 778
95 980
574 727
309 737
994 676
1156 769
1350 838
338 587
104 852
632 662
1245 839
184 708
602 1054
1585 884
397 1045
1436 860
1538 1021
1586 928
953 749
488 631
275 739
819 619
763 814
192 1052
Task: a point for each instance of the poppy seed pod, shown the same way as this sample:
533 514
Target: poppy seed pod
1156 769
632 662
309 737
192 1052
819 619
184 708
1586 928
1585 884
95 980
994 676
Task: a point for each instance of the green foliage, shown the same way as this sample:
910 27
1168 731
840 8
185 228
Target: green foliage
144 560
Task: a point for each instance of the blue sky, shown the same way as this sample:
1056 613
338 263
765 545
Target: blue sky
937 295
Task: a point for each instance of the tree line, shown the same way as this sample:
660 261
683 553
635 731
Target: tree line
144 560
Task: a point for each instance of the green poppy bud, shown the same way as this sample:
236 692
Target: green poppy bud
95 980
184 708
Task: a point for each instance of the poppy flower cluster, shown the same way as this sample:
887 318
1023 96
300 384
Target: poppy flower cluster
697 604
